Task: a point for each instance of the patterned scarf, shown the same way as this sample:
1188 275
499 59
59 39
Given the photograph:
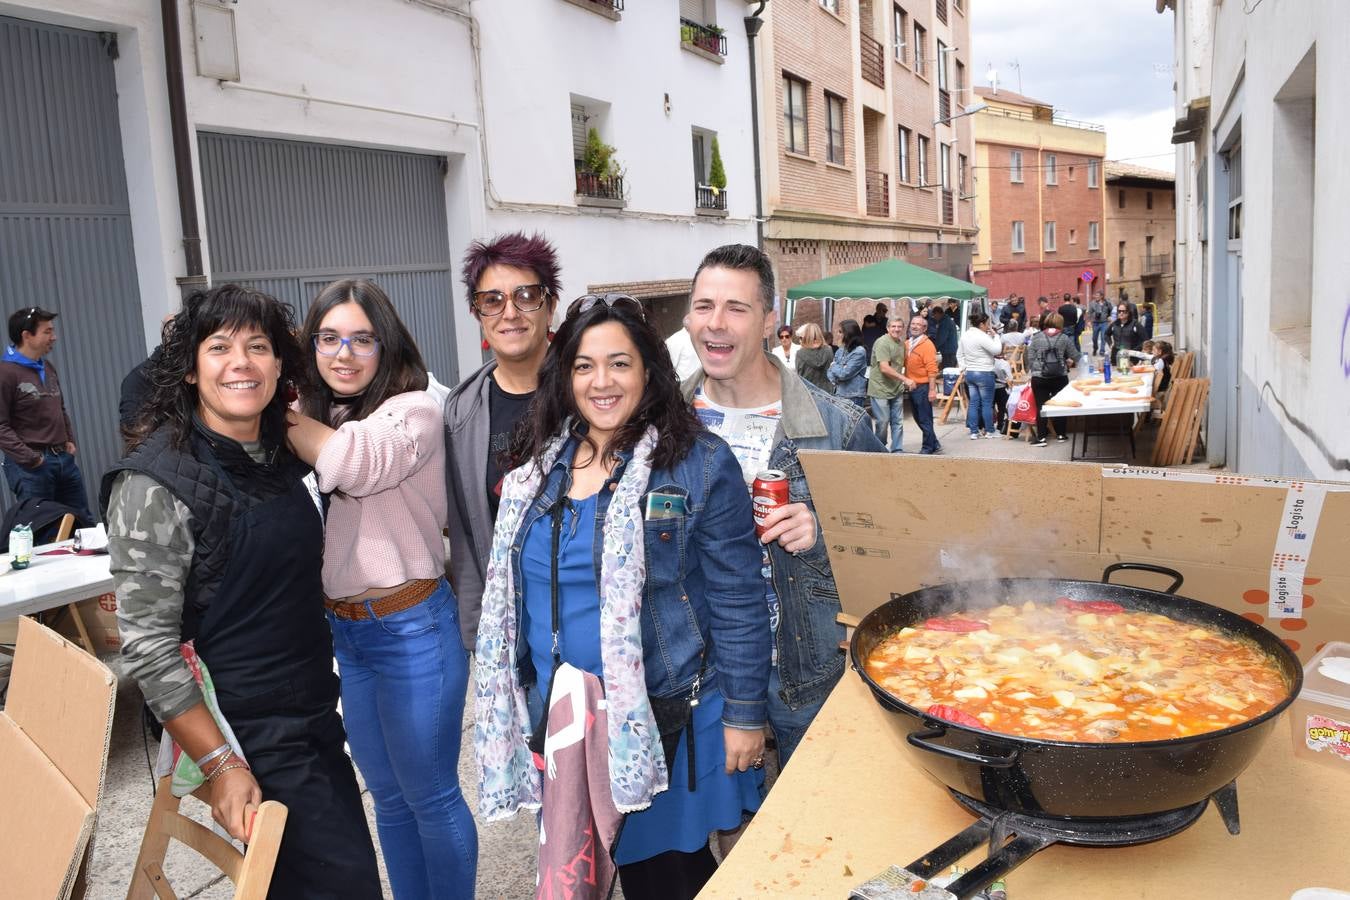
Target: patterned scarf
509 778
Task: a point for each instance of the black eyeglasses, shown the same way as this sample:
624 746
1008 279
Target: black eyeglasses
527 298
588 302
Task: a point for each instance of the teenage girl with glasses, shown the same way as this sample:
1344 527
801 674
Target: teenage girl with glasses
375 439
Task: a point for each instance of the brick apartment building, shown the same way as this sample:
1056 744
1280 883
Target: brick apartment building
866 155
1141 219
1041 198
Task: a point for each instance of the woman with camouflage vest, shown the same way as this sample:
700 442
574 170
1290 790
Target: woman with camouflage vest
216 548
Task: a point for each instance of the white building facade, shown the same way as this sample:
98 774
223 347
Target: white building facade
657 82
320 139
1263 110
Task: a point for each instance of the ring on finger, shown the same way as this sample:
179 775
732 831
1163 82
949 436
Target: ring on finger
757 763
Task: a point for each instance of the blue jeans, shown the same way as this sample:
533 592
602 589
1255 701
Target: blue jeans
1098 337
923 417
403 683
980 386
887 413
58 478
789 725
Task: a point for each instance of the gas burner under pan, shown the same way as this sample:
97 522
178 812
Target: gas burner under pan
1013 838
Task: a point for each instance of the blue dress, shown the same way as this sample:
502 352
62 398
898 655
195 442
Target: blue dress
677 818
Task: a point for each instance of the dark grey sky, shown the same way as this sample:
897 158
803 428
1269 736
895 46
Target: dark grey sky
1106 61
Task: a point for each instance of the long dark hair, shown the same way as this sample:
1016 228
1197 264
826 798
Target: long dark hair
228 307
662 405
400 368
850 334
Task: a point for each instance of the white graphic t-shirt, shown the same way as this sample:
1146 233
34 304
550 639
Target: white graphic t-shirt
750 434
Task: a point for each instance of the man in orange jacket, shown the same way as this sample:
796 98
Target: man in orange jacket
921 374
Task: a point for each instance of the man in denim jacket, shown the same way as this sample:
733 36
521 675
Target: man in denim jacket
767 413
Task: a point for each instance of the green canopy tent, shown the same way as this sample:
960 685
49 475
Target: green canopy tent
890 279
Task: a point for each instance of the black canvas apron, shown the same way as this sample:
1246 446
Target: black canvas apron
268 647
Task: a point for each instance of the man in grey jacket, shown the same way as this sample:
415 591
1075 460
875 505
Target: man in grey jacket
513 286
767 413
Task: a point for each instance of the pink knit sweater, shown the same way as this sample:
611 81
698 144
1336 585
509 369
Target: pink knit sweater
387 475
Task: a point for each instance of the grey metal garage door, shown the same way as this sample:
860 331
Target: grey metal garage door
287 217
65 228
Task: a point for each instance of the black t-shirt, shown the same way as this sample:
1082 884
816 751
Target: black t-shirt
504 411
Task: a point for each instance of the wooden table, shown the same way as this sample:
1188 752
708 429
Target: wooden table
851 803
51 581
1102 403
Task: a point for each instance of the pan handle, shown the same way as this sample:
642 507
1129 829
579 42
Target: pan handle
921 739
1145 567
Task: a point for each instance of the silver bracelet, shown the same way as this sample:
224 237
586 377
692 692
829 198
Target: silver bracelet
219 751
228 755
225 768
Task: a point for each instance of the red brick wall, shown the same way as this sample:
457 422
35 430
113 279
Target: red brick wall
813 45
1070 204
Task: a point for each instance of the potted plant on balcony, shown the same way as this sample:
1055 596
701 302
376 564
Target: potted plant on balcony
717 174
599 173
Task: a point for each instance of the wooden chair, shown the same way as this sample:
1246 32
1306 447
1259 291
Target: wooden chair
1179 432
250 872
954 397
64 530
1182 365
1017 361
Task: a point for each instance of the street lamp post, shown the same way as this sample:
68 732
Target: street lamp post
978 107
752 25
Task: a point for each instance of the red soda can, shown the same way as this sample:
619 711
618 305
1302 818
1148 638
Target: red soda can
768 492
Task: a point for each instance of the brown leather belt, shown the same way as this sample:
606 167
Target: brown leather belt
404 598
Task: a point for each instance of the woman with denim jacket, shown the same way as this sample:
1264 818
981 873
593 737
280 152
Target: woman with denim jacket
375 439
848 372
658 594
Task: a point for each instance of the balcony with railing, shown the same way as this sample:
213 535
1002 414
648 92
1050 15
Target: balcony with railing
610 9
1158 264
878 194
873 60
948 207
707 197
600 190
1054 119
708 38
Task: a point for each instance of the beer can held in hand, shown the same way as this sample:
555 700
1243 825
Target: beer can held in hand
768 492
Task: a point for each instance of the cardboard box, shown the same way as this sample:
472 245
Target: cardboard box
54 735
928 520
99 615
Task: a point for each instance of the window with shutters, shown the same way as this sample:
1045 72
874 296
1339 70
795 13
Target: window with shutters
794 114
902 141
901 29
834 129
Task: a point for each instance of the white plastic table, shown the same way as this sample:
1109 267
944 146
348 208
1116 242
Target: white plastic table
1102 403
51 581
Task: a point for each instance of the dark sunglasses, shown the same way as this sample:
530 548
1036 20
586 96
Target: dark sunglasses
527 298
588 302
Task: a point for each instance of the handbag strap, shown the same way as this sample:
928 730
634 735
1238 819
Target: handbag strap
561 504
